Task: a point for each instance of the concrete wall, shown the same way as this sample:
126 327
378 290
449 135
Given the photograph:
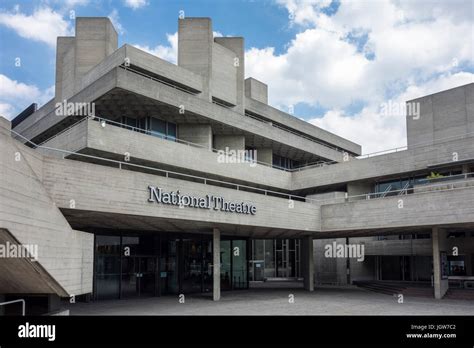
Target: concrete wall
224 76
265 155
65 68
233 142
424 209
329 270
195 41
237 46
256 90
114 142
196 133
362 271
122 192
30 215
408 161
442 115
96 38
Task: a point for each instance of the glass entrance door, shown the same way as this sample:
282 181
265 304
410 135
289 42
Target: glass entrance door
138 276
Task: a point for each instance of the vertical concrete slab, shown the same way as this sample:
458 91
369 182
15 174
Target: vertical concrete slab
96 39
65 68
441 285
256 90
307 262
216 269
195 41
236 45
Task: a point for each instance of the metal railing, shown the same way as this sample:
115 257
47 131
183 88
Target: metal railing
404 190
206 181
229 107
387 190
463 176
162 136
23 304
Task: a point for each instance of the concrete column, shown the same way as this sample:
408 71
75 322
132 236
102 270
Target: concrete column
196 133
265 155
307 262
232 142
441 286
216 269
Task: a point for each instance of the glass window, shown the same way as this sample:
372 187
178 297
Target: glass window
269 259
129 121
225 265
158 127
107 282
239 264
172 133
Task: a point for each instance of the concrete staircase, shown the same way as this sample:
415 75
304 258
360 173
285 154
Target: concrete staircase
460 294
394 288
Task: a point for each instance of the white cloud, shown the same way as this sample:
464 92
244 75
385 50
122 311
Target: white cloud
136 4
44 25
15 96
74 3
409 46
377 130
115 19
169 53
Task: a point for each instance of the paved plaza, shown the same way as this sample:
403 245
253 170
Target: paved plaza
323 301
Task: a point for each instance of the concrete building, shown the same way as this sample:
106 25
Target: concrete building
145 178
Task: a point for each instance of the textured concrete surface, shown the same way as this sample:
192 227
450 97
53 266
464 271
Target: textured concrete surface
323 301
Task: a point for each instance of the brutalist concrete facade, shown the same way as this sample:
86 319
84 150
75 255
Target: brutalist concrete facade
68 176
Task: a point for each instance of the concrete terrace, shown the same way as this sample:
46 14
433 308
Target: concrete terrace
323 301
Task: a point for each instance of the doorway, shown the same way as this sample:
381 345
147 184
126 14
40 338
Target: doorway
139 276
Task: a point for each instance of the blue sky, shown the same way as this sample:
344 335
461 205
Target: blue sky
335 63
262 23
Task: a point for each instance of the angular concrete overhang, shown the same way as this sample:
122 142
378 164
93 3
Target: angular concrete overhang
24 275
297 124
116 192
40 126
146 87
141 60
449 208
396 163
89 137
102 78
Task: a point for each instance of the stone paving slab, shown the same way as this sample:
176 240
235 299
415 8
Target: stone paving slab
323 301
